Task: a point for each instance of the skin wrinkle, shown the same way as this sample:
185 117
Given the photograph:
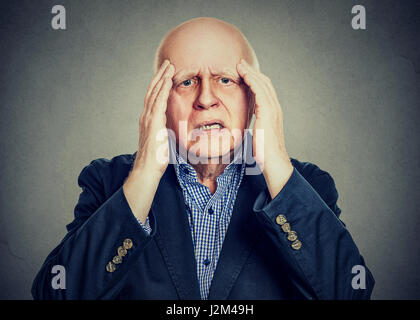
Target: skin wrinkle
205 50
206 45
187 74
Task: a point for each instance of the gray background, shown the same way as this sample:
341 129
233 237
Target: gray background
350 100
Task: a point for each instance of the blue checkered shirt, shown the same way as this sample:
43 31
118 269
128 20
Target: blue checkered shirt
208 215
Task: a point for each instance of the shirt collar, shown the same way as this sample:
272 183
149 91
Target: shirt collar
186 172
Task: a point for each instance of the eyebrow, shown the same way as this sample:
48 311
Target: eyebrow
184 75
187 74
228 72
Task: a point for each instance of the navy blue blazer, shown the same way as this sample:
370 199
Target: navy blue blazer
257 260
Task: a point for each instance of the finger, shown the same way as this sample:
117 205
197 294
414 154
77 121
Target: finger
262 94
248 79
159 73
156 78
262 79
169 73
161 101
151 100
257 73
154 93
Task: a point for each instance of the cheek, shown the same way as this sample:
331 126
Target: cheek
176 110
239 109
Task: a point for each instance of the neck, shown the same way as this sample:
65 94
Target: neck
207 173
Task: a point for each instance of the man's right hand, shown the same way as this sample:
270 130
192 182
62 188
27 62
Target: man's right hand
149 165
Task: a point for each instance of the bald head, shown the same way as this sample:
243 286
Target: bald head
204 36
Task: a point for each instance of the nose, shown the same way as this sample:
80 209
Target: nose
206 98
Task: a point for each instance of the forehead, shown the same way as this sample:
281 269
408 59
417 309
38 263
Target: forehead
186 73
192 52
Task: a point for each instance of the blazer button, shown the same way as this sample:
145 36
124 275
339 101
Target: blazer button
110 267
127 244
281 219
286 227
117 260
292 236
297 245
121 251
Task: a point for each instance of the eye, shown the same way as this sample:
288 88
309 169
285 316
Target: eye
187 83
225 80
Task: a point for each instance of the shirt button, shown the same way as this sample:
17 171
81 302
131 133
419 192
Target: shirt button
186 171
206 262
211 211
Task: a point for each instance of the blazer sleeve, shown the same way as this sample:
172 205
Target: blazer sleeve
320 254
99 228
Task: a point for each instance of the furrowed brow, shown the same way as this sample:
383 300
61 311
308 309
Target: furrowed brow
183 75
228 73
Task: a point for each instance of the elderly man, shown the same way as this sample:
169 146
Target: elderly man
181 218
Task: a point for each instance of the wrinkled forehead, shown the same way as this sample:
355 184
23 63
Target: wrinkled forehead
193 52
189 72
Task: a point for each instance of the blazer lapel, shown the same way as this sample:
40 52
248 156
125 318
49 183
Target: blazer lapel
173 236
240 238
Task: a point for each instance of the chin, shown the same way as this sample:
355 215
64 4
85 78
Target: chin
210 151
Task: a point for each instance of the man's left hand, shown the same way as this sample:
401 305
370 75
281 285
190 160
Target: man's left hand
269 149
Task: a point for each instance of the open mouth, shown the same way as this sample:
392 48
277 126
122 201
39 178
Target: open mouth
210 125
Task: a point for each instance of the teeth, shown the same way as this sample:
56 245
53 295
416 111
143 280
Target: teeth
211 126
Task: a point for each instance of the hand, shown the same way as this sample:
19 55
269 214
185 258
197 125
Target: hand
149 165
152 122
269 149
